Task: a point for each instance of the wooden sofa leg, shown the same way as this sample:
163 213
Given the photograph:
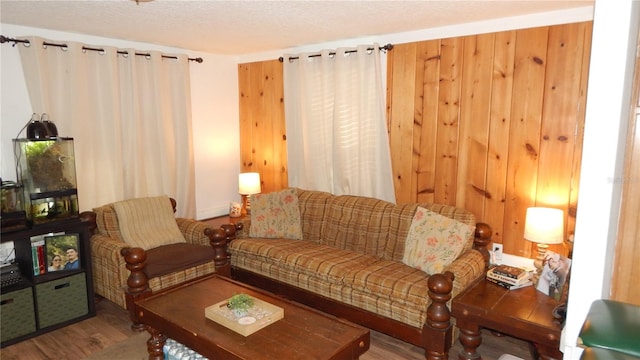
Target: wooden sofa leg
218 239
437 331
137 283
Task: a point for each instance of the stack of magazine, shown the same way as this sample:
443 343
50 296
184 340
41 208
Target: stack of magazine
510 277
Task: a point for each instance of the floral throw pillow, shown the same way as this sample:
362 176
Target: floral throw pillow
276 215
434 241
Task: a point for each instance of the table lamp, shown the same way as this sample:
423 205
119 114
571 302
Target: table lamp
248 184
543 226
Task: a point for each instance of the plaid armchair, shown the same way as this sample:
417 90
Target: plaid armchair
169 263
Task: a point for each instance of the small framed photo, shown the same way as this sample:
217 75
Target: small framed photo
62 252
555 273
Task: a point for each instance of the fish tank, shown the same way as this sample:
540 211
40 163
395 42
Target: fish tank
47 172
13 216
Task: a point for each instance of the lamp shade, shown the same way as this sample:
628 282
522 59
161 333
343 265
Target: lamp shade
249 183
544 225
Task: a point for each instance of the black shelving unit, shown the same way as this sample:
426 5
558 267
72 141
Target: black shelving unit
46 302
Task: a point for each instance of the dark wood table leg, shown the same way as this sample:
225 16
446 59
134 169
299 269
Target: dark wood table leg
470 338
548 352
155 344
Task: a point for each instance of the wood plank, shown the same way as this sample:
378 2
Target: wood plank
499 124
274 112
474 122
244 88
524 136
559 118
427 88
448 120
261 132
402 114
577 153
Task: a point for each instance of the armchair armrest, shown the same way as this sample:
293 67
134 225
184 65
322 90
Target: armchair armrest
194 231
109 268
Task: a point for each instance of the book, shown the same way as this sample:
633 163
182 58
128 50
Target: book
42 262
510 271
506 279
37 255
526 283
34 260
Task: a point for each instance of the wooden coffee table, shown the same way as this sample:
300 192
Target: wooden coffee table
303 333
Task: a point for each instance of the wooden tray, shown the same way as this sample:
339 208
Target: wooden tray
262 312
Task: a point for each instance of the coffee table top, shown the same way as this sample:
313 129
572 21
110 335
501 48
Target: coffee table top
303 333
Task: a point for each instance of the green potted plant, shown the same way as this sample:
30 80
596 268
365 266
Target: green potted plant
240 304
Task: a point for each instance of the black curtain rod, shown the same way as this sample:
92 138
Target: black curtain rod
386 47
4 39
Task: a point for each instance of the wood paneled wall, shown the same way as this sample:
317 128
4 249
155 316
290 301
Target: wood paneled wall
495 122
491 122
263 146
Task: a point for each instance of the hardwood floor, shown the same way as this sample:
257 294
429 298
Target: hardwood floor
111 326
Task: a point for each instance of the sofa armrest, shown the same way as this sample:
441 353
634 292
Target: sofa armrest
467 268
242 228
194 231
481 240
473 263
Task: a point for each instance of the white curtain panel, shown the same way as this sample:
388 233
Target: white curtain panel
337 139
129 116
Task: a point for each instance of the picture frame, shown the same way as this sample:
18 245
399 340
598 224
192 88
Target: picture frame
555 274
62 252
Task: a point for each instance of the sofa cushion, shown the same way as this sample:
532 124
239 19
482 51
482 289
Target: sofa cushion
323 261
357 223
276 215
434 241
313 206
148 222
388 288
166 259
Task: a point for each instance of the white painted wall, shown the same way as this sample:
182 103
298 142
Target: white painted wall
615 31
214 94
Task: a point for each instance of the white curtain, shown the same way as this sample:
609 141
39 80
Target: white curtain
335 119
129 116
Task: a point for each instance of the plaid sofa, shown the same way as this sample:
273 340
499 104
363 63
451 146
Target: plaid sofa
351 254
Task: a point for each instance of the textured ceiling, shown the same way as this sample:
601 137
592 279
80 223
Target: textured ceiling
243 27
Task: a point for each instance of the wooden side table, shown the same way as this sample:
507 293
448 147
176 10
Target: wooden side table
225 219
523 313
